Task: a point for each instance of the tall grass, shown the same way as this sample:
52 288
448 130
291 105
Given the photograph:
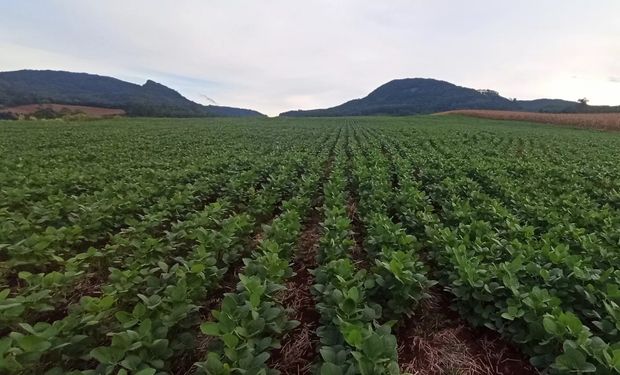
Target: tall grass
601 121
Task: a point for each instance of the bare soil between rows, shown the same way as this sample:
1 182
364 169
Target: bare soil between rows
435 340
299 347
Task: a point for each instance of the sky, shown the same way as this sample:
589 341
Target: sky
278 55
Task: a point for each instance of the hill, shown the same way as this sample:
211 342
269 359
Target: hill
151 99
58 110
423 95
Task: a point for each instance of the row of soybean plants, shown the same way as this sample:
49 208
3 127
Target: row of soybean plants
586 258
526 259
577 163
554 205
40 292
214 252
172 307
251 320
529 181
359 305
82 160
147 306
53 259
119 181
63 224
537 293
128 179
400 275
83 320
37 251
573 217
42 282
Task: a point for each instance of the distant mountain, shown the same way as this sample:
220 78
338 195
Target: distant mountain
422 96
546 105
151 99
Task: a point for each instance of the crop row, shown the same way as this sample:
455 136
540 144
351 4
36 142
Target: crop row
534 291
166 247
146 312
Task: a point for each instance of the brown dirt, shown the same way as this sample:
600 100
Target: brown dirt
437 341
600 121
299 347
89 285
12 281
89 111
357 251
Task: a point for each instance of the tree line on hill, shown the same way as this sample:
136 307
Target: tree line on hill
58 87
408 96
413 96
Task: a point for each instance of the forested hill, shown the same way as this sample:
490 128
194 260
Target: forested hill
150 99
422 95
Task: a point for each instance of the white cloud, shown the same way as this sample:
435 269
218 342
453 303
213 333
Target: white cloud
275 55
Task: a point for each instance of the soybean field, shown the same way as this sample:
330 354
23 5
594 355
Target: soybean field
334 246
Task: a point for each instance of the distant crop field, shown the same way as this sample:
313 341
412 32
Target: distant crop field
601 121
89 111
420 245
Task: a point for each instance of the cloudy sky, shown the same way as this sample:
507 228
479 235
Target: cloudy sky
276 55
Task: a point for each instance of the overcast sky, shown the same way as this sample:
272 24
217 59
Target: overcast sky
277 55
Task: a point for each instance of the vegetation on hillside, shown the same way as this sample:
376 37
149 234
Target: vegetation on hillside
151 99
413 96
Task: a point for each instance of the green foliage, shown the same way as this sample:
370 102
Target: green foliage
411 96
352 342
151 99
124 243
